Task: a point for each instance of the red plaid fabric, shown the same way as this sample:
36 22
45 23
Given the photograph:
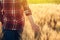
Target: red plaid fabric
13 17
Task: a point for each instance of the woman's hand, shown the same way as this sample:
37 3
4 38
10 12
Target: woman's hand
35 27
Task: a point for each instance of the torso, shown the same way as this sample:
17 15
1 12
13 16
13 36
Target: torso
13 12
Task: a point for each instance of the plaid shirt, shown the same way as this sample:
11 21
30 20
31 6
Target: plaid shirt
12 16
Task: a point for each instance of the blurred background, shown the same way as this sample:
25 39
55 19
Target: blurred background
46 14
43 1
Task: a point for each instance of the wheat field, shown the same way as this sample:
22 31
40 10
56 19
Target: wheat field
47 17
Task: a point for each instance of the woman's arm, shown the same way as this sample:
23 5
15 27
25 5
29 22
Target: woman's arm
1 12
1 17
29 15
35 27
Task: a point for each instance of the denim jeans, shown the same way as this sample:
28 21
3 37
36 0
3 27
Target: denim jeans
11 35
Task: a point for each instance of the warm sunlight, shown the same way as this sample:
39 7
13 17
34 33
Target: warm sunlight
43 1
